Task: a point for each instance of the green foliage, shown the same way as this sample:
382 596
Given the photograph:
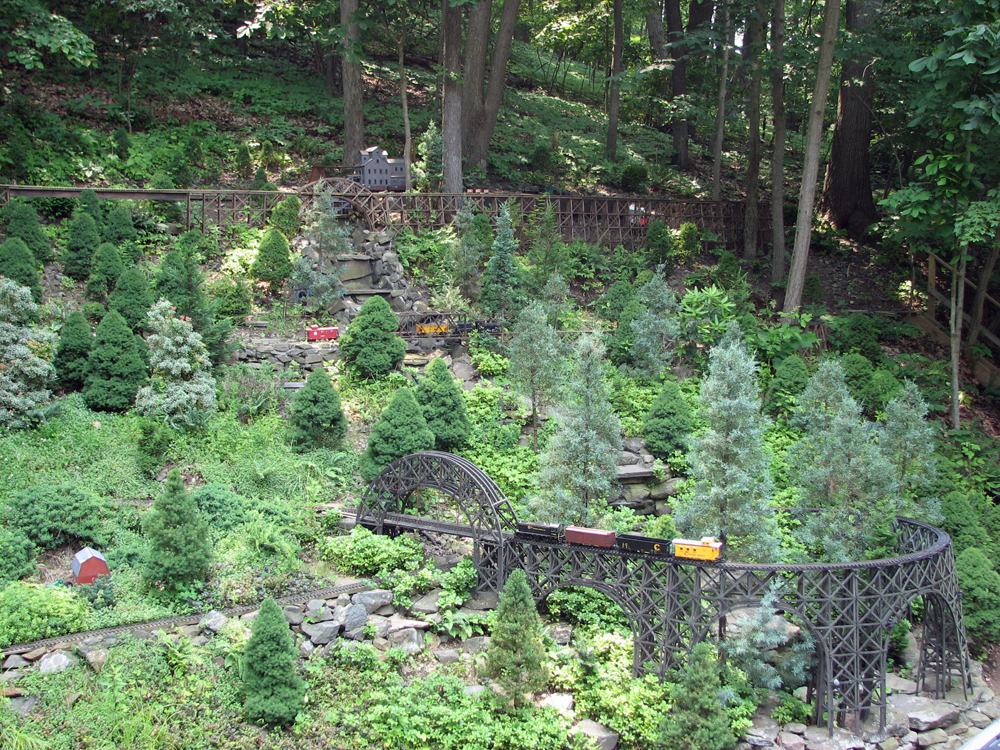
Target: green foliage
54 515
790 379
203 248
547 253
688 245
668 422
363 553
661 527
315 417
698 720
464 262
731 469
18 558
487 361
908 441
791 709
181 280
898 643
620 347
232 296
252 392
259 179
324 288
273 263
285 216
120 227
29 612
131 298
244 161
536 361
275 693
26 375
429 168
812 289
616 298
980 584
660 245
501 294
21 221
123 143
370 343
516 657
400 431
858 333
179 547
705 314
656 329
962 521
154 443
443 406
633 177
115 368
105 269
18 264
222 508
579 605
91 205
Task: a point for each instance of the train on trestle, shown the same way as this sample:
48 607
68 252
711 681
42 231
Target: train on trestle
706 549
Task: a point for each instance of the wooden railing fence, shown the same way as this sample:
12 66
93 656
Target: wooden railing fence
939 292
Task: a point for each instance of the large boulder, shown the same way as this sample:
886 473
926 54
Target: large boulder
57 661
372 600
600 735
410 640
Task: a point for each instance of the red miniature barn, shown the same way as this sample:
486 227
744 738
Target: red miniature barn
88 564
317 333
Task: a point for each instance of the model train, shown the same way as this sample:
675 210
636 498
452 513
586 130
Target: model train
706 549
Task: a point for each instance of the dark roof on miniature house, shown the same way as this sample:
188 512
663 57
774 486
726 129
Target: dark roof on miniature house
83 555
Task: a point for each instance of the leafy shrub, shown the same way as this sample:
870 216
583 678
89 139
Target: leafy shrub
285 217
858 333
179 548
400 431
980 584
155 438
26 376
29 612
70 360
616 298
585 606
660 245
18 556
316 419
488 363
131 298
668 422
792 709
233 297
222 508
54 515
273 263
84 237
688 246
789 381
275 693
363 553
115 367
21 221
443 406
370 343
18 264
106 267
250 392
180 170
633 177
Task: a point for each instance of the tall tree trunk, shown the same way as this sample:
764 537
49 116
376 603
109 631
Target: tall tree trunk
451 127
847 192
678 79
658 45
957 305
700 14
404 101
720 116
616 69
778 157
477 42
810 167
751 215
354 113
495 88
979 301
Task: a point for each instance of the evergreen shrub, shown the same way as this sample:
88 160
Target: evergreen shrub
316 419
443 406
273 263
660 245
54 515
179 547
858 333
285 217
93 206
115 368
259 179
21 221
790 379
222 508
123 144
155 439
84 237
30 612
400 431
620 346
70 360
668 422
962 521
131 298
516 656
616 298
501 295
120 226
105 269
195 243
688 246
18 556
698 720
633 177
244 161
18 264
232 296
370 343
275 693
980 584
25 375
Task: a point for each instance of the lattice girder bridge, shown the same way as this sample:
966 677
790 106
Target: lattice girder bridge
849 609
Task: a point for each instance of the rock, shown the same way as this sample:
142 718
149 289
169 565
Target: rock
978 720
36 653
408 639
373 600
382 625
294 615
427 604
469 690
386 610
665 489
482 601
357 634
382 644
791 741
562 633
463 371
626 459
214 621
97 658
354 617
321 633
983 695
141 635
990 709
9 676
925 714
890 743
633 444
763 733
448 656
15 662
189 630
199 640
57 661
795 727
899 684
931 737
561 702
306 648
399 623
72 698
23 706
314 607
476 645
598 734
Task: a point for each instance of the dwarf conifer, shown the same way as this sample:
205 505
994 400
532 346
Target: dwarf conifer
179 547
962 521
536 361
502 296
980 584
131 298
285 217
516 656
105 269
84 237
698 719
25 377
400 431
275 694
316 419
620 346
75 343
120 226
273 263
370 342
115 370
22 222
668 422
443 406
17 263
655 330
790 378
181 280
91 205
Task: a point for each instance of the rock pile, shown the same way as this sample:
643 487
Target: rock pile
641 489
281 353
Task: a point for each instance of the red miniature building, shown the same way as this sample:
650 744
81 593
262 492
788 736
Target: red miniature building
316 333
88 564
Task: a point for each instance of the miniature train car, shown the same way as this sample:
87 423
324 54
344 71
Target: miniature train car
432 328
550 531
706 549
636 543
319 333
592 537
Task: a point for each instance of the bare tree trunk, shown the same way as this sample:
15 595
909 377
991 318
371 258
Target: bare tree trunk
477 42
751 215
658 44
847 192
404 101
678 80
451 128
495 87
957 305
778 157
616 69
979 301
810 167
354 114
720 117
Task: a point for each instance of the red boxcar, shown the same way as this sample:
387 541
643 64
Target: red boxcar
593 537
316 333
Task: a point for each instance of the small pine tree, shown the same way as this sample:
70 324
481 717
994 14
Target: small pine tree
790 379
75 343
698 720
668 423
21 221
501 295
120 226
429 168
18 263
25 377
181 280
579 464
259 179
656 329
84 237
179 548
285 217
370 343
273 263
515 659
91 205
131 298
464 264
980 584
123 144
620 346
316 419
688 246
443 406
614 300
962 521
275 694
908 441
400 431
106 268
660 245
115 370
536 361
244 161
547 253
731 468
